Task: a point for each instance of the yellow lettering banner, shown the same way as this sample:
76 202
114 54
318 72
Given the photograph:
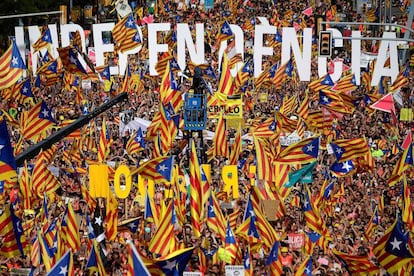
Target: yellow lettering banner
99 181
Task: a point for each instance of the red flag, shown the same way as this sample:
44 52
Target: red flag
308 11
407 141
385 104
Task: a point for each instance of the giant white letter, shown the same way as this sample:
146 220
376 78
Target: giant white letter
356 56
153 47
258 49
303 60
66 29
386 46
196 50
100 47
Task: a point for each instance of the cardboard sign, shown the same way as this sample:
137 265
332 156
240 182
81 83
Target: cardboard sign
270 209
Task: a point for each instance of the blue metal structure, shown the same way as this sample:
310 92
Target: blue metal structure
195 112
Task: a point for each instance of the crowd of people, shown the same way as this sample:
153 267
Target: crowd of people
345 215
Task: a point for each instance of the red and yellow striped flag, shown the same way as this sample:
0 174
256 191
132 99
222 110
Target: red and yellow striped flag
219 140
111 218
263 160
195 192
235 149
25 188
70 229
104 143
163 241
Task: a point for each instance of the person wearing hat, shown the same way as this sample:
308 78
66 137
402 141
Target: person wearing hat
287 259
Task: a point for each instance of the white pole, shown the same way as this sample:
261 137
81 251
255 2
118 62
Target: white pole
29 14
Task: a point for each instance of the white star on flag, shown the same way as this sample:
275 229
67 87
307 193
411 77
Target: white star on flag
45 113
346 166
162 167
15 61
72 60
98 221
309 148
130 22
63 270
170 265
395 244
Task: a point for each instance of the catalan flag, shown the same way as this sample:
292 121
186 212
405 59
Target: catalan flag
226 83
149 210
244 74
235 149
347 83
95 262
149 169
405 162
230 242
72 61
25 187
104 71
111 218
219 139
135 264
302 152
39 118
305 268
225 32
126 34
11 66
263 160
7 161
70 229
14 241
347 149
274 260
215 218
267 233
312 216
372 224
196 194
63 267
136 143
45 252
325 82
394 249
22 91
104 142
163 241
407 214
43 181
76 41
332 101
357 265
45 40
340 169
175 262
248 266
402 79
